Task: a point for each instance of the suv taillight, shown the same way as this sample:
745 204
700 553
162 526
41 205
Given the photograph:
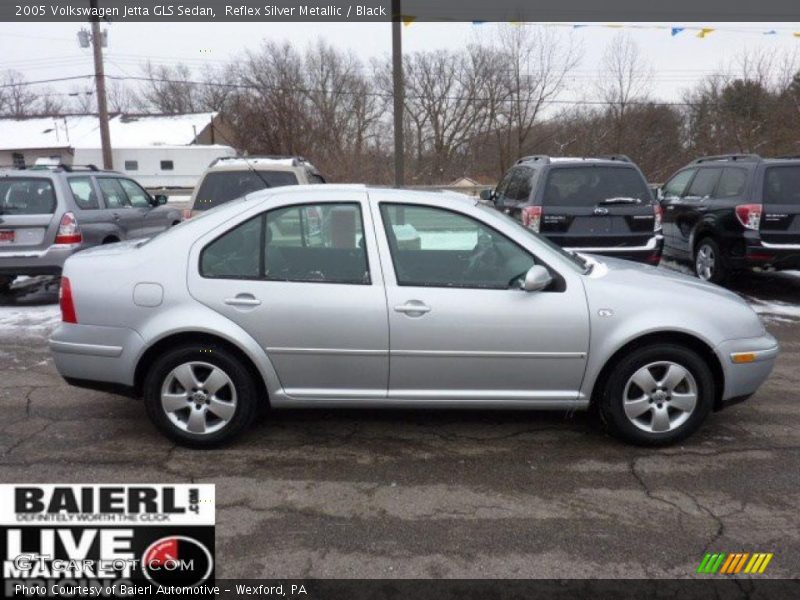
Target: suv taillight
65 302
749 215
532 217
68 230
659 217
187 213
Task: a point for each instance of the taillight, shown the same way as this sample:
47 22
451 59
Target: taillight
659 217
532 217
187 213
65 302
68 230
749 215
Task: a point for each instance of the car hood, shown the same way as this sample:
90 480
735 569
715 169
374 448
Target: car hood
657 279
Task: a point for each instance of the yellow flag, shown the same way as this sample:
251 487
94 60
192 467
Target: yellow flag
408 20
704 32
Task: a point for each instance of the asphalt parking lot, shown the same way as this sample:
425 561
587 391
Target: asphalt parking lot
436 494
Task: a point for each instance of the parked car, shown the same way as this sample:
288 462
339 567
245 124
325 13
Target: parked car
229 178
48 214
731 212
288 297
598 205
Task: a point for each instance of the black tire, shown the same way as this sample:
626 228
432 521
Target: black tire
5 284
247 400
611 401
719 271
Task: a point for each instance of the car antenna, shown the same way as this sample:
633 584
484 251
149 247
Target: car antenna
246 161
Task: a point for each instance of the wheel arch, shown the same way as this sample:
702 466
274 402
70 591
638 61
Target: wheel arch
149 356
663 337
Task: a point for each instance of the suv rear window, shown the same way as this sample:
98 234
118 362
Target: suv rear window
27 196
589 186
223 186
782 185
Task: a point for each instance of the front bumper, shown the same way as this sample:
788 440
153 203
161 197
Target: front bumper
96 357
746 364
37 262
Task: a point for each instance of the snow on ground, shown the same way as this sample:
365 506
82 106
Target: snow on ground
28 319
774 310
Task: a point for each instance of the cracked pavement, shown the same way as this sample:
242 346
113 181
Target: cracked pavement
437 494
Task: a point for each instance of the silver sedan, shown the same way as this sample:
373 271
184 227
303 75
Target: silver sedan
348 296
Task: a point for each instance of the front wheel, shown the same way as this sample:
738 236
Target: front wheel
657 395
708 262
200 396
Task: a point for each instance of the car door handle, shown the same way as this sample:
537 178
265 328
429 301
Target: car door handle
413 308
116 216
243 300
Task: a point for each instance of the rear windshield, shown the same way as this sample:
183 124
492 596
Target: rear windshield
223 186
590 186
27 196
782 185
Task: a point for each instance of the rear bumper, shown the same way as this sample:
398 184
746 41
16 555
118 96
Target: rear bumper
37 262
742 379
757 253
648 253
96 357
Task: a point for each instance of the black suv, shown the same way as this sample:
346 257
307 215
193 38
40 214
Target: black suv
597 205
731 212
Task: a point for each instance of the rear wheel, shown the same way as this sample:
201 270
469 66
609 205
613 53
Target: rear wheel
200 396
708 262
657 395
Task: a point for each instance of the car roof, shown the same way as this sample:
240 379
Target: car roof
302 191
539 159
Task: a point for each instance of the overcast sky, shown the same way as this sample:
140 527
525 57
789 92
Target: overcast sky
47 50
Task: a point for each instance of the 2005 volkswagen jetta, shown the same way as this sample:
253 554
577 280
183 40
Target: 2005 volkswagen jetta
348 296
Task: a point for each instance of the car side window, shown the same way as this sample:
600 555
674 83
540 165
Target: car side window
316 242
83 193
235 254
704 183
522 190
434 247
112 191
137 196
732 183
675 187
507 186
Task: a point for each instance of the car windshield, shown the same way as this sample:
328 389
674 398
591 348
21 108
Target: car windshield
594 186
223 186
27 196
577 261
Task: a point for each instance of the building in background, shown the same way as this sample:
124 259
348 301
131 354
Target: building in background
159 151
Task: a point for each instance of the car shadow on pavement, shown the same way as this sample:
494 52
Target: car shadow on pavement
32 291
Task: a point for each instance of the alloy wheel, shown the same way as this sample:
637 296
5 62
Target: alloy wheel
198 397
705 262
660 397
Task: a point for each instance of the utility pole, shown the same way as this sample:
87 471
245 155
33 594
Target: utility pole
399 94
100 82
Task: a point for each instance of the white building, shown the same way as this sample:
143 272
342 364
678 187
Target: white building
169 151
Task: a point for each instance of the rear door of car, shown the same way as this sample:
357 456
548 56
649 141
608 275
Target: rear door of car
596 206
90 213
28 215
304 280
780 221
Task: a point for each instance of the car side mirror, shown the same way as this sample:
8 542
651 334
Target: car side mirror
487 195
537 279
161 200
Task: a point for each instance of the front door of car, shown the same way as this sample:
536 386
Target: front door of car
126 219
695 203
673 204
304 281
153 221
460 327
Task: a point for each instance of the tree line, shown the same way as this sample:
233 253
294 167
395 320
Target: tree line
468 112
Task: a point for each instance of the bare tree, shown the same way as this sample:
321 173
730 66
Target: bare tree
17 99
626 80
169 89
